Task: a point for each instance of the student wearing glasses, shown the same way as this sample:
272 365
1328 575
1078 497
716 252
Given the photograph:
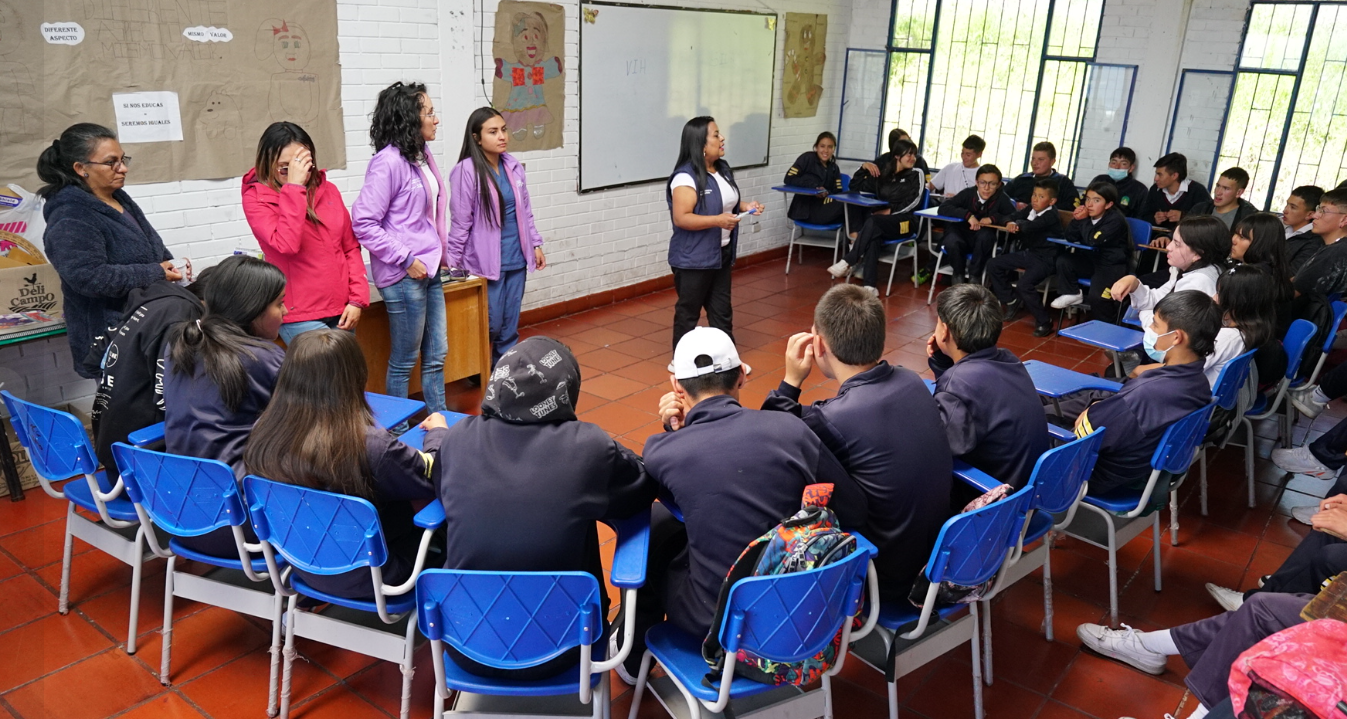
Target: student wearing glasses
97 238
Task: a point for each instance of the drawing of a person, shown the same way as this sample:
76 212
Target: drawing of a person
526 108
802 67
294 92
20 115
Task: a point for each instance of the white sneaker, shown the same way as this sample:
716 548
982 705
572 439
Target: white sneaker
1065 301
1307 400
1229 599
1300 460
839 270
1123 645
874 291
1303 514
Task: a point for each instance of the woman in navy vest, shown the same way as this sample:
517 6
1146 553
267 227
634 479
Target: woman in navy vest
704 202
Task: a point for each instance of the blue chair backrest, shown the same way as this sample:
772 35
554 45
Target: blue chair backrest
1141 231
972 545
1298 337
319 532
1060 472
1339 312
1232 377
1176 449
789 617
185 496
846 182
56 442
509 620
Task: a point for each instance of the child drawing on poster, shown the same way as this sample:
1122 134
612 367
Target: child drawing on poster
294 92
526 109
805 55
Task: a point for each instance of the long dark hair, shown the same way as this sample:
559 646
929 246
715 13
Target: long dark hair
396 120
55 166
486 180
240 290
1248 297
901 148
1207 237
277 137
692 149
1267 248
312 433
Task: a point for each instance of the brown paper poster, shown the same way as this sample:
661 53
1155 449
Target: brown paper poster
188 85
529 83
802 83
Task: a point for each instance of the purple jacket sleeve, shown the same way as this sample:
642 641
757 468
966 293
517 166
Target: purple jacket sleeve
535 238
370 208
462 210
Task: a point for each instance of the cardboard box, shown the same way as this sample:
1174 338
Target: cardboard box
30 300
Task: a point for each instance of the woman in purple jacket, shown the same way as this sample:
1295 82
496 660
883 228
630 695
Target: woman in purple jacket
492 233
400 218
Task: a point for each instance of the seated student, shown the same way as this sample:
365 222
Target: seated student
1180 337
318 432
991 412
872 169
1021 189
1257 240
1298 222
902 135
1174 194
130 393
882 426
1227 202
735 473
220 370
818 170
1032 226
1099 224
1319 557
1196 255
1322 273
981 205
900 186
959 176
528 421
1131 191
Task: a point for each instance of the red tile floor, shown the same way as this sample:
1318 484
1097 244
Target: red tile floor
74 667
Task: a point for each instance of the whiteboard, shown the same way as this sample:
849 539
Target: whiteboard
646 71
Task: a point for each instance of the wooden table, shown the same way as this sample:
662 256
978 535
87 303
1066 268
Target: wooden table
468 332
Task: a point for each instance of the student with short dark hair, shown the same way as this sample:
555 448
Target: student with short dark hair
992 415
872 169
1032 226
1041 160
968 244
1122 162
1298 223
1227 202
1323 273
1099 224
900 186
817 170
1174 193
959 176
882 426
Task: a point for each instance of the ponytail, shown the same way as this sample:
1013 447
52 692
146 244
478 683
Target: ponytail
55 166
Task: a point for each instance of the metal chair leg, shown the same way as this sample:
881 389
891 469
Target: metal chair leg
1155 528
827 697
1112 573
986 611
893 700
1173 518
1047 586
935 276
277 614
641 677
137 571
790 247
63 604
977 662
167 631
289 654
408 671
1202 486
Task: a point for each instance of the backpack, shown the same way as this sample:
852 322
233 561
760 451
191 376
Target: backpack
1297 673
808 540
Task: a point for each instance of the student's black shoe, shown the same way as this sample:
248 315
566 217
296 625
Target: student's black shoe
1043 330
1013 308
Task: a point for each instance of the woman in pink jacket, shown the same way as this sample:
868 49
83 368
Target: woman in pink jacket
300 221
491 233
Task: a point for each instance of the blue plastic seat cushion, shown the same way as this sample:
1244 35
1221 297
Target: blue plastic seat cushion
77 492
259 563
817 227
1118 501
1040 523
681 655
894 615
395 605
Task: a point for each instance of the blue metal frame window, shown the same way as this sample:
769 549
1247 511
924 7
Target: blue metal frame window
1287 121
1015 72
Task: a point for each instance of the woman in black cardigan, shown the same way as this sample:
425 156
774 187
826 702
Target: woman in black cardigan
97 238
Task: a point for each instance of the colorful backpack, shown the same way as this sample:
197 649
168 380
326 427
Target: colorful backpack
1297 673
808 540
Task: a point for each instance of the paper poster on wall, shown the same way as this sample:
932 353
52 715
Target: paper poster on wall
802 83
529 83
232 67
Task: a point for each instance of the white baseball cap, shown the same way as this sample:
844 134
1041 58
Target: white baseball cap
709 341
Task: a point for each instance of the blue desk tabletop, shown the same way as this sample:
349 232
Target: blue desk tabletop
797 190
1053 381
933 213
416 437
1104 335
856 198
930 385
392 411
1068 243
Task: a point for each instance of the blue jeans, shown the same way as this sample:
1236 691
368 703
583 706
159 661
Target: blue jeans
291 330
504 297
417 325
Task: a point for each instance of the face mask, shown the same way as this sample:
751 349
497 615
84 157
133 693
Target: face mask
1116 175
1148 340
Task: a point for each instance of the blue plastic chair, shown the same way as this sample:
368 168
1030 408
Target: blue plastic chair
189 497
783 617
1141 237
801 241
1229 383
1117 517
59 449
1297 339
328 533
1339 313
516 620
969 550
908 241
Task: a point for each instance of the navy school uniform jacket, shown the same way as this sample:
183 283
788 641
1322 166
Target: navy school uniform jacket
1033 234
1021 189
1131 194
736 473
809 171
401 475
1156 201
992 414
968 204
700 249
1137 417
196 421
883 427
1300 248
1110 237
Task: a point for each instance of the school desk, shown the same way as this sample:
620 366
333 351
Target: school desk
1104 336
858 199
809 241
416 437
1056 382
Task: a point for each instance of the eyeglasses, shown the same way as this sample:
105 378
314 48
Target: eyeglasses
982 183
124 161
430 114
1323 211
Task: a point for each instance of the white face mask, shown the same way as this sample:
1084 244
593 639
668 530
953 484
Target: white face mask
1148 340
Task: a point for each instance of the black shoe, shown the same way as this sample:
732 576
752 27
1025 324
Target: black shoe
1013 308
1043 330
